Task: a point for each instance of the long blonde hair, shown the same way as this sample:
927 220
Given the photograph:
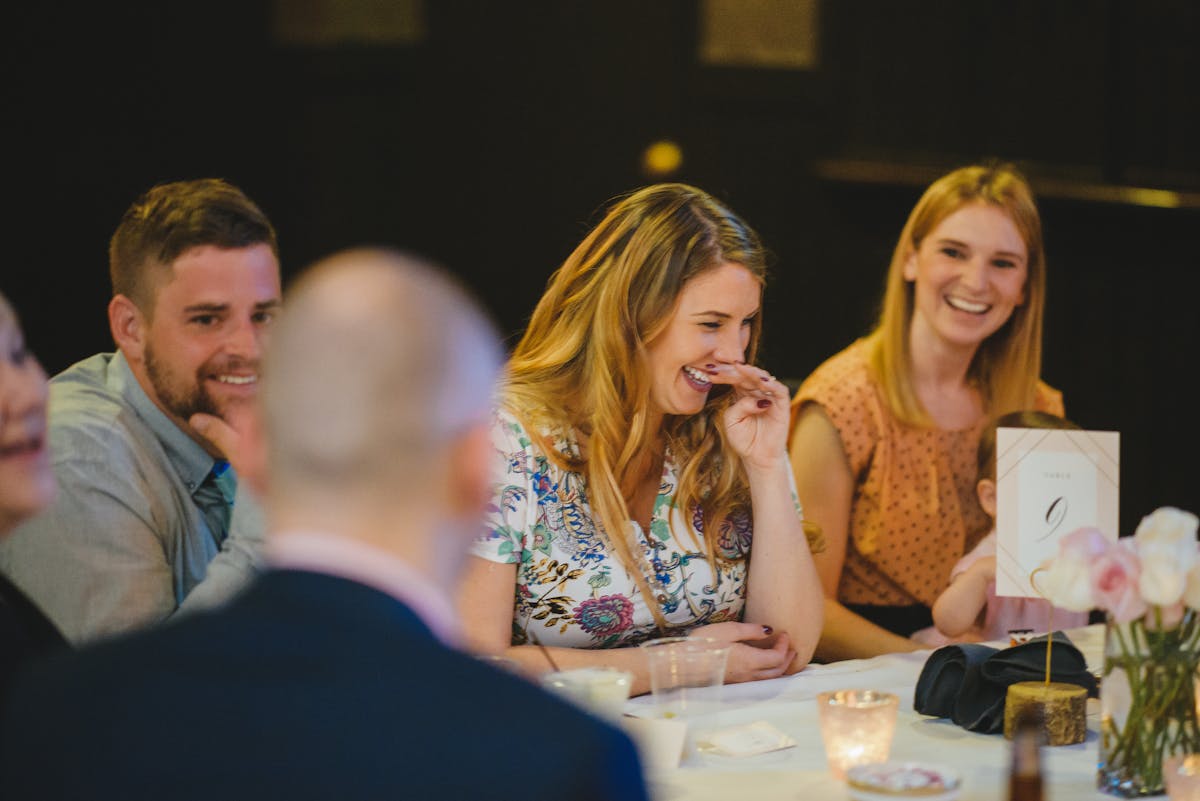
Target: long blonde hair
1007 364
581 365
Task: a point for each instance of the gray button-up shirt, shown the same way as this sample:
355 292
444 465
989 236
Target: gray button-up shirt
125 543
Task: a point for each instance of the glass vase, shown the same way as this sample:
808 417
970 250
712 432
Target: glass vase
1147 700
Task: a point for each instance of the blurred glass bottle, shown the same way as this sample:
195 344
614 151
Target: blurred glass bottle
1025 775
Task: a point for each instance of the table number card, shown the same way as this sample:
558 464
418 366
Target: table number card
1050 482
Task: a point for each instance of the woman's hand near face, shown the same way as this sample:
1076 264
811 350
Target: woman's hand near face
757 421
782 590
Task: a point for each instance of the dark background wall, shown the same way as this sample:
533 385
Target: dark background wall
491 143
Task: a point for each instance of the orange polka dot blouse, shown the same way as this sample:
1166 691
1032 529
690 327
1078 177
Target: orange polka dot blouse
914 511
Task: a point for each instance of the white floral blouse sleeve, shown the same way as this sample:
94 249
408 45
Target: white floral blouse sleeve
508 516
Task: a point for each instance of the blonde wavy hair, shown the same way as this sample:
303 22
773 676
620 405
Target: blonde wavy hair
581 366
1007 365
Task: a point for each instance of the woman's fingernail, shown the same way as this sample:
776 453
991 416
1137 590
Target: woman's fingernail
763 403
767 629
766 378
710 367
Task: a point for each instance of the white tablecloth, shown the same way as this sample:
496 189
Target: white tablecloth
800 772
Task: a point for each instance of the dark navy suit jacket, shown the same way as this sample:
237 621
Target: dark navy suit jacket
25 633
305 687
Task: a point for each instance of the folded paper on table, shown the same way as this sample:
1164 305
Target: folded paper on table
749 739
968 683
1050 482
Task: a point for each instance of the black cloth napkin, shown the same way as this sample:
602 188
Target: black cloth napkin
968 683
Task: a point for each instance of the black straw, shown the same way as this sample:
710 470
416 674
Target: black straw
545 651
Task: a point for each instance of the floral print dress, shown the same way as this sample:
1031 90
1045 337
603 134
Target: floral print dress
570 591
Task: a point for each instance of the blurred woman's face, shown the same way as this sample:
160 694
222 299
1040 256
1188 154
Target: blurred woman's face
969 275
26 480
709 329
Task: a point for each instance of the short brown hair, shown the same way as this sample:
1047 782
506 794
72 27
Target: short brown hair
986 455
172 218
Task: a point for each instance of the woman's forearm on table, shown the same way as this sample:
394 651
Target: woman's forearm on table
783 590
847 635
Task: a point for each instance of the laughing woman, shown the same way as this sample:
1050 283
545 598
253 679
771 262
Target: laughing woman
641 458
886 431
26 487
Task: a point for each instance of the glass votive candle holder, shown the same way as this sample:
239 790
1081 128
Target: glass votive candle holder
1182 775
857 727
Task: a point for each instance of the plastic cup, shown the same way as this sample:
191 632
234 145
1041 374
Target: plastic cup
659 741
602 691
686 674
857 727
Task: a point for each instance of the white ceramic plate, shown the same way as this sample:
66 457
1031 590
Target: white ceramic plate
889 781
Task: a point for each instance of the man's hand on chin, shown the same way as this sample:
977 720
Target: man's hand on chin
238 437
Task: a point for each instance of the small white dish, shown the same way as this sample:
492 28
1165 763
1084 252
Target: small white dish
888 781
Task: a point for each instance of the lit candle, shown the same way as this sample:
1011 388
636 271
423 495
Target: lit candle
857 727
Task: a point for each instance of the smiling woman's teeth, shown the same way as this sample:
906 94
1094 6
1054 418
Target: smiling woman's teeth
967 305
697 376
237 379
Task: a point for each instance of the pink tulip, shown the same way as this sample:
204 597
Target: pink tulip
1114 574
1066 582
1084 543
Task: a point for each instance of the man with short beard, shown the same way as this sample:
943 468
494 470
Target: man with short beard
142 439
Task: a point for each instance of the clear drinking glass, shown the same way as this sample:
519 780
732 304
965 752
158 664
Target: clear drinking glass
686 674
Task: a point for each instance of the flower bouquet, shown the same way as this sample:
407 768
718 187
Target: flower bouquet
1149 586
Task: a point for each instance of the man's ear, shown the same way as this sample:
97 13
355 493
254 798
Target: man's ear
128 327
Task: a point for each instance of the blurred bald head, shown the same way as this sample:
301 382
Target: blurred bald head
378 365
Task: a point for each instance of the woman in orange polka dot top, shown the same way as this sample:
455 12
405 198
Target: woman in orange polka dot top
884 433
